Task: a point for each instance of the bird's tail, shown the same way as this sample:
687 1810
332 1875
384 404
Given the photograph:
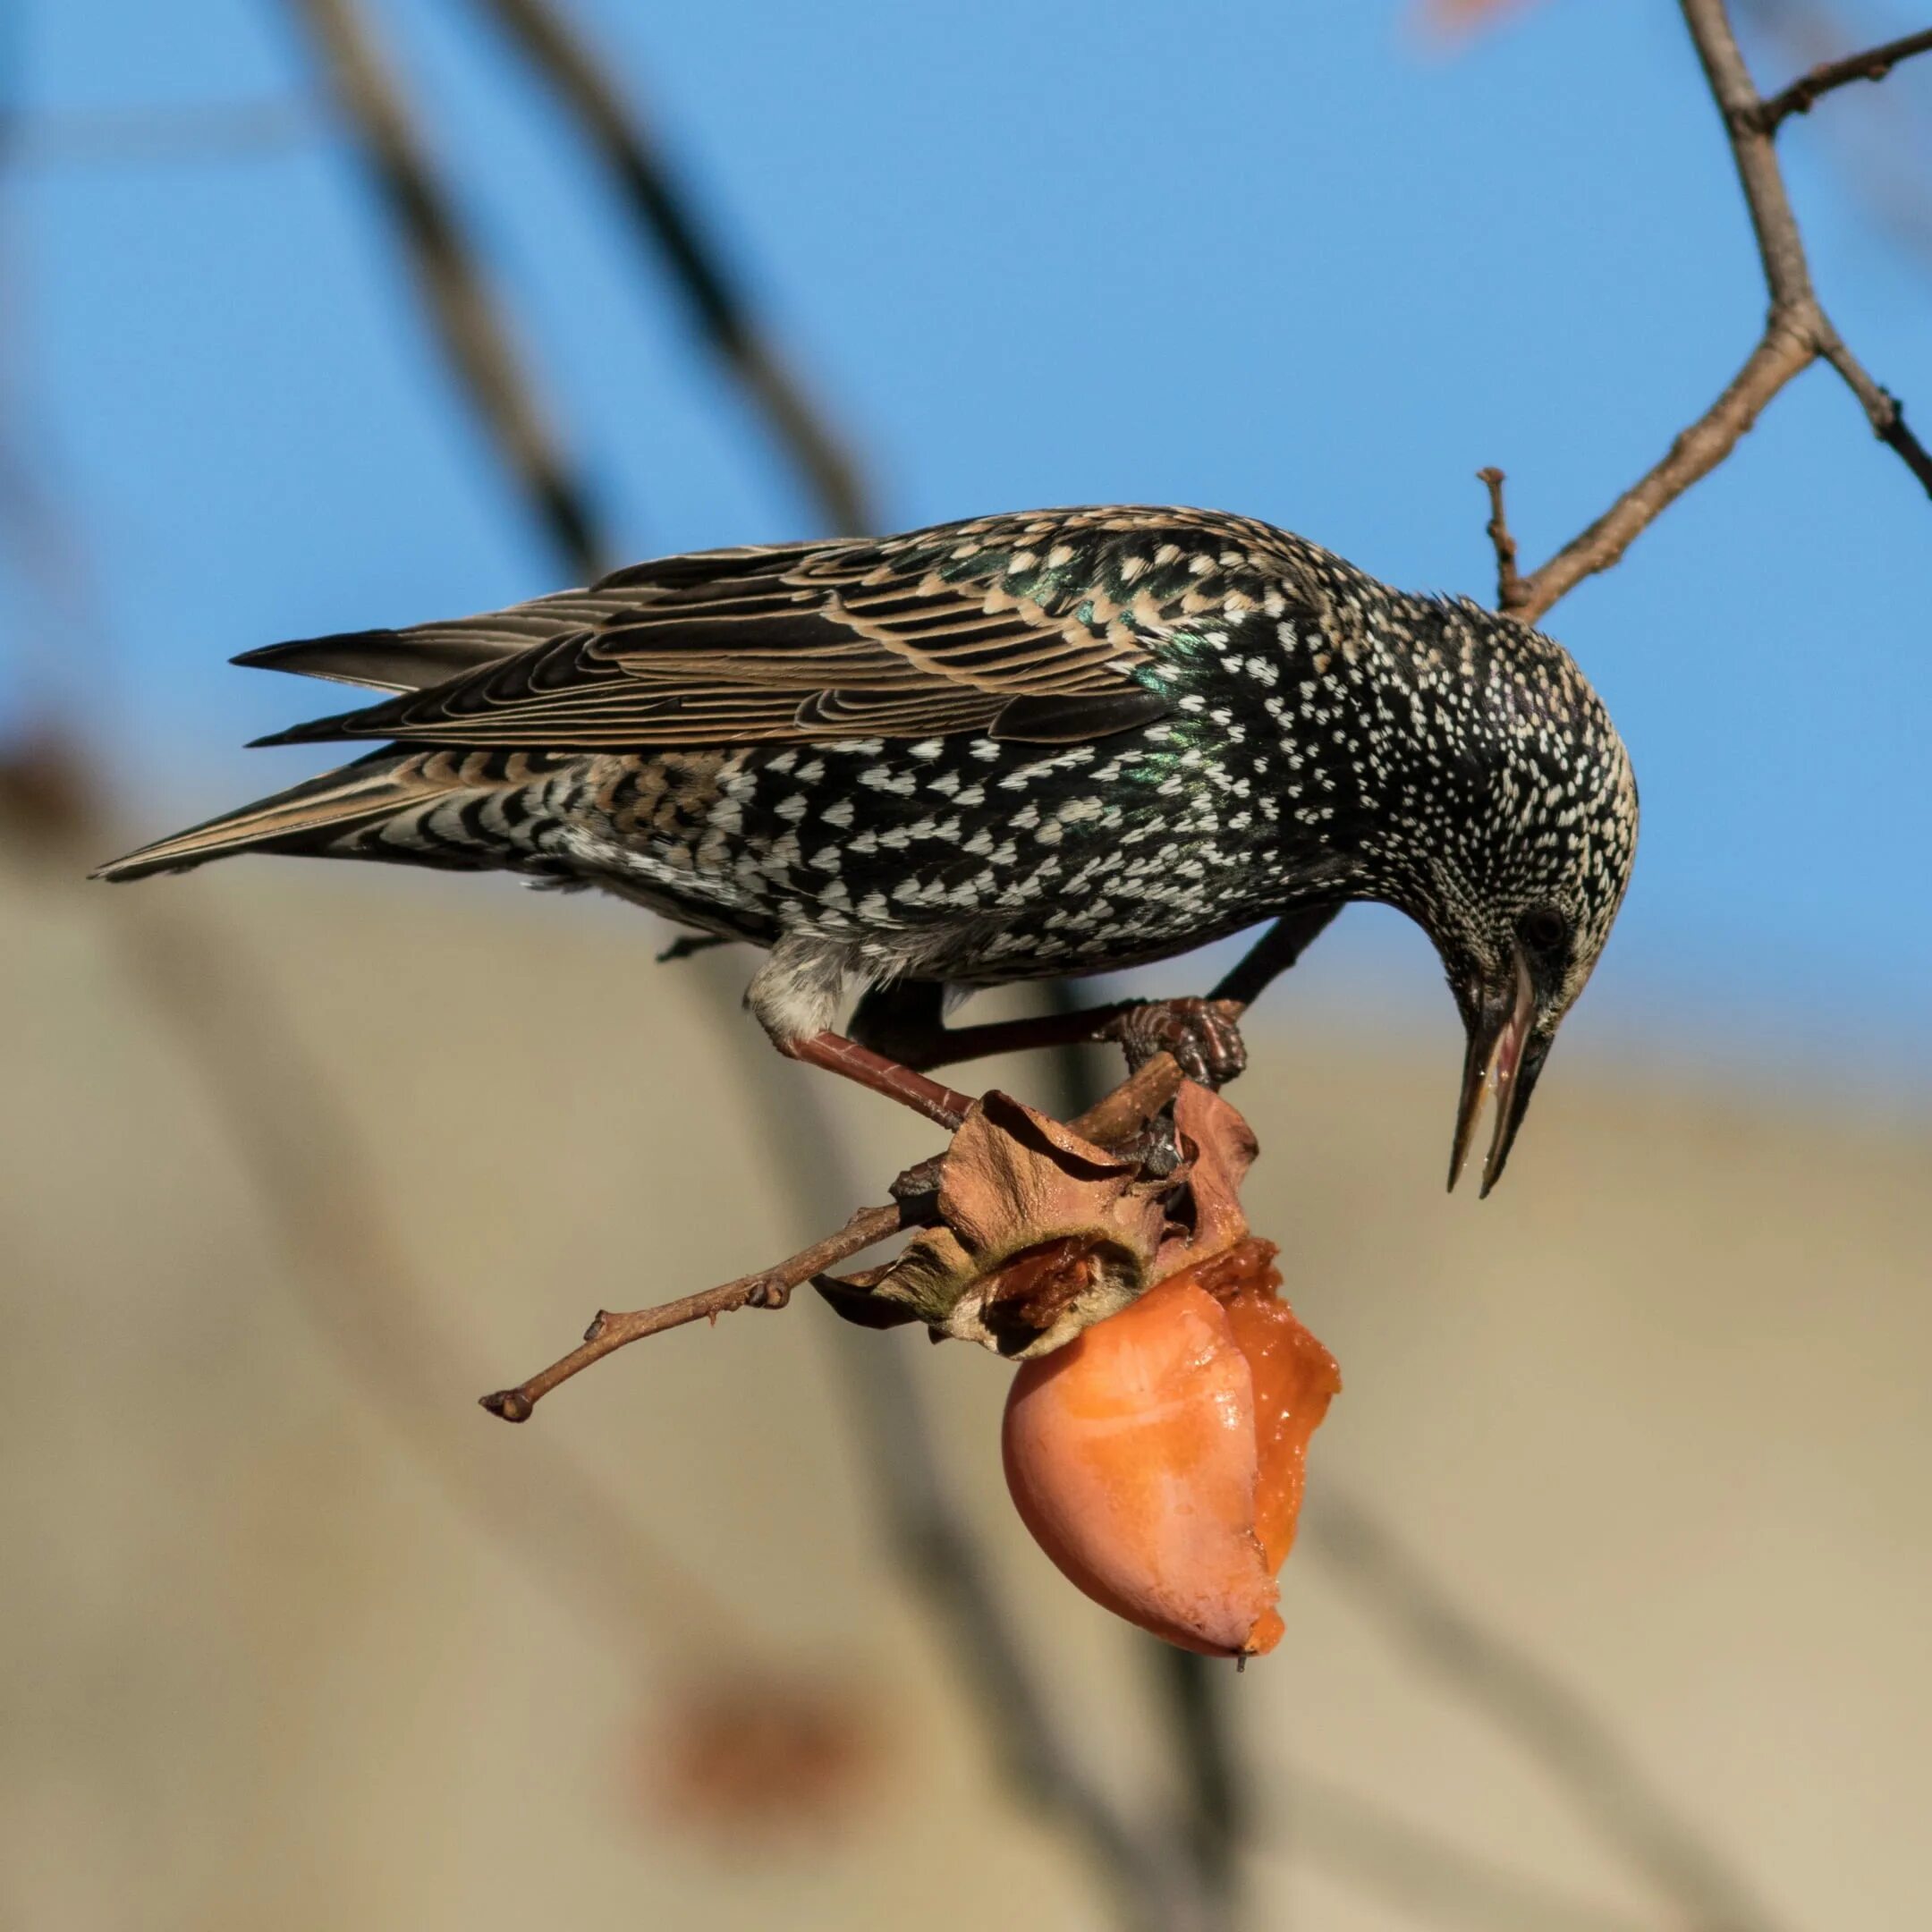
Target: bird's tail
311 818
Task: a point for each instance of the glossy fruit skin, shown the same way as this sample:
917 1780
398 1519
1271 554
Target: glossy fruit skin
1158 1458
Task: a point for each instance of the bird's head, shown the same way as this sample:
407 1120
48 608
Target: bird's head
1516 961
1531 812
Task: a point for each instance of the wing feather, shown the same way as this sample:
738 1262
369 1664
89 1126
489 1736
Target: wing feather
1035 627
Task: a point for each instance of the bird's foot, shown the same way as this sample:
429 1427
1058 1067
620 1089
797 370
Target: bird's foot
1155 1149
918 1186
1203 1035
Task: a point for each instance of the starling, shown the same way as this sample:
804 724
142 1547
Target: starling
1056 743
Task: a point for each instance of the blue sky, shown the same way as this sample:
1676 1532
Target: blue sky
1284 259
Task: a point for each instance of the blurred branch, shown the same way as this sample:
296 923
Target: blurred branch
664 216
302 1156
303 1159
1196 1695
1576 1748
1797 332
930 1536
1191 1689
1884 151
1804 93
454 292
1378 1851
249 1058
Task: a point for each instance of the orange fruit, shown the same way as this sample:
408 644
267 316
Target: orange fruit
1158 1457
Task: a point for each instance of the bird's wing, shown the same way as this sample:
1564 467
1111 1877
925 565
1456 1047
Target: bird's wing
1030 627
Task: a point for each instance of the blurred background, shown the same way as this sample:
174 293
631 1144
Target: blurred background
1608 1611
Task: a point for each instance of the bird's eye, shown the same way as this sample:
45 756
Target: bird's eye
1543 928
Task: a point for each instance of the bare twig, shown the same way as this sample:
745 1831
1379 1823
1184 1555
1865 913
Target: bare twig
1113 1118
1896 435
1128 1107
1577 1748
1805 92
768 1288
473 334
615 130
1882 151
1797 332
1694 455
1509 582
1378 1851
931 1534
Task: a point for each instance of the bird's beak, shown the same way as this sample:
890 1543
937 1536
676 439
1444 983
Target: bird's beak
1505 1057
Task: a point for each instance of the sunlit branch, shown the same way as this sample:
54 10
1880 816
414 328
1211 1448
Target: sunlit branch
1797 332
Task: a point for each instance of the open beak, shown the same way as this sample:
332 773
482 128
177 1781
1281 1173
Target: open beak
1504 1059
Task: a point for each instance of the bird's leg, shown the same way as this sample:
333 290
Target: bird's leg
847 1058
1273 953
905 1020
792 996
900 1031
1204 1035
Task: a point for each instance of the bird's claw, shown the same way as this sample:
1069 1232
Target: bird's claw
1203 1035
920 1183
1155 1149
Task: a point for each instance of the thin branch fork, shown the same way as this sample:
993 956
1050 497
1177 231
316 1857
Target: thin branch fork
1797 331
1805 92
1114 1118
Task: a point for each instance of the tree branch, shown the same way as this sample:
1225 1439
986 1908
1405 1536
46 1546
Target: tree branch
1434 1875
661 213
1508 579
1578 1749
1694 453
1797 332
1113 1118
768 1288
931 1536
1805 93
474 336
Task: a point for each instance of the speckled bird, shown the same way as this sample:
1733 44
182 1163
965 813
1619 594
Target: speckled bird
1056 743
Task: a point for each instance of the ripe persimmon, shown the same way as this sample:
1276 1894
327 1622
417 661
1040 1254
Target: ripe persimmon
1158 1457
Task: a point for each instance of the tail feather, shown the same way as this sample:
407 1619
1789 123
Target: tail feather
386 660
307 818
